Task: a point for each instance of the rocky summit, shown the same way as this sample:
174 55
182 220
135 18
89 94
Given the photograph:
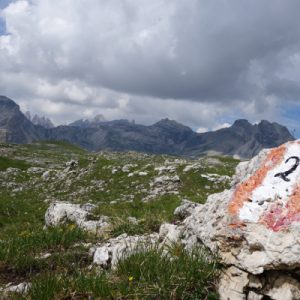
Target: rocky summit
164 137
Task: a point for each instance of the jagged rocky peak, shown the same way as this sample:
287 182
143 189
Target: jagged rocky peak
264 124
41 121
92 122
242 123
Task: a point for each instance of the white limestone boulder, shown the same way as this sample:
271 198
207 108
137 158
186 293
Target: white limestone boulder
61 212
109 253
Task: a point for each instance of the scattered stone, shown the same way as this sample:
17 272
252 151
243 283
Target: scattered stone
114 171
46 175
108 254
195 166
35 170
13 171
216 177
186 208
165 169
142 173
71 166
128 167
43 256
21 288
165 178
61 212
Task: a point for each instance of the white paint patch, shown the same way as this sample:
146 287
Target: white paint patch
273 188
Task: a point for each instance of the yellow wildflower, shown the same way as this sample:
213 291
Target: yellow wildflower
130 278
72 226
24 233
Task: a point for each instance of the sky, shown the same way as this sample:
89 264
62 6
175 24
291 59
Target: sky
203 63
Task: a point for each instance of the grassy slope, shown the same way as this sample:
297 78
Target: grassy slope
65 274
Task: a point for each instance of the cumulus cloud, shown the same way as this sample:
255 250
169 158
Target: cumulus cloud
201 62
202 130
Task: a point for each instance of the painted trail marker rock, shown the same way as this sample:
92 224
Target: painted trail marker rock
271 195
255 227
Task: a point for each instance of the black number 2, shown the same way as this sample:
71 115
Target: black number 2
283 175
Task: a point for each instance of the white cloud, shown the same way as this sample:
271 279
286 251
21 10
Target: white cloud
221 126
202 130
200 62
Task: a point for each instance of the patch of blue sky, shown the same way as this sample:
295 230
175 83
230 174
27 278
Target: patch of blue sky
290 118
3 4
2 27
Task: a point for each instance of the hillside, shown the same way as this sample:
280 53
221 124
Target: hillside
127 193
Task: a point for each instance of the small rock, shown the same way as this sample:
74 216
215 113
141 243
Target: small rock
35 170
46 175
21 288
142 173
133 220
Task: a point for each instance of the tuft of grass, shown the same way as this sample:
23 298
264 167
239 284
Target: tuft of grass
150 215
62 146
127 227
149 273
153 274
6 162
21 252
47 288
20 212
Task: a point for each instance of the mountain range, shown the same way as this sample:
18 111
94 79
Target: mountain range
164 137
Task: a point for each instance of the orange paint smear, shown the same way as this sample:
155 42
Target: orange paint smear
244 190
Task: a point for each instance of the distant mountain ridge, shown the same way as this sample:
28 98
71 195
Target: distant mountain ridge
87 123
166 136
